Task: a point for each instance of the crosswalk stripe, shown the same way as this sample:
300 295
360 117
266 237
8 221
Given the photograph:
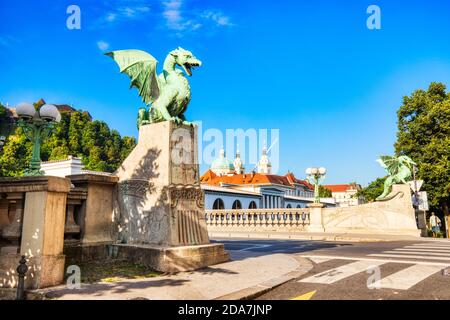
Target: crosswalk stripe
408 256
319 260
422 249
342 272
432 245
406 278
418 251
403 261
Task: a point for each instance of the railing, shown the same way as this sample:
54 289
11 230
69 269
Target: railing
301 194
257 219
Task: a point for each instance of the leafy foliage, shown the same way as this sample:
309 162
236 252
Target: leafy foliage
324 192
100 148
2 112
424 135
373 190
5 121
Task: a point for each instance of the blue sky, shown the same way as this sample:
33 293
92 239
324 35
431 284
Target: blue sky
309 68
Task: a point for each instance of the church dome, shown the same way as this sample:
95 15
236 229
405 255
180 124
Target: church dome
222 165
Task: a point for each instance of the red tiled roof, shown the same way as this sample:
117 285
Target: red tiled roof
341 187
211 178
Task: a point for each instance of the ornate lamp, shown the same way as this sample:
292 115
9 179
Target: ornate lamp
316 176
37 126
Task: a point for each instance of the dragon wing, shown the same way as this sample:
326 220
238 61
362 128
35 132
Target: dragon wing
140 66
390 164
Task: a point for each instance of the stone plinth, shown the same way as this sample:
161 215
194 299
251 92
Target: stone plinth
159 200
95 216
173 259
315 217
393 216
42 231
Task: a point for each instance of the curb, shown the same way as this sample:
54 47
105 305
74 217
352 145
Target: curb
336 237
254 292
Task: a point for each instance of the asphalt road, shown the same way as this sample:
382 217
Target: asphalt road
373 271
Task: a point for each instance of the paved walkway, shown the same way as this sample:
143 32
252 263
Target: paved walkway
246 275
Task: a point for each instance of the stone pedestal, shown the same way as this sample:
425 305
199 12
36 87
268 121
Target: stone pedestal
42 234
95 216
160 204
315 217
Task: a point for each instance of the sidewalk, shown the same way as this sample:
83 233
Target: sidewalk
247 275
322 236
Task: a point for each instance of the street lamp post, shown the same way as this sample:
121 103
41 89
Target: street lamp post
316 177
37 126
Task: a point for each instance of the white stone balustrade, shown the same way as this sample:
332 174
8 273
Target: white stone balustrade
282 219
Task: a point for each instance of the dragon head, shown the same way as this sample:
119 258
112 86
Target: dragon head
406 161
185 59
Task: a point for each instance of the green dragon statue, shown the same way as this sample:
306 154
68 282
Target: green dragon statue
168 93
399 170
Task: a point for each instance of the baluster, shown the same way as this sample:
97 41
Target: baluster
303 218
71 229
290 219
278 215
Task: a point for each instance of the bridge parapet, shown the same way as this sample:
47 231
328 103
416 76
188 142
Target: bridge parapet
282 219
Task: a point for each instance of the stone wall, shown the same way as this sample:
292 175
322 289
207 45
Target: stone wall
38 231
395 216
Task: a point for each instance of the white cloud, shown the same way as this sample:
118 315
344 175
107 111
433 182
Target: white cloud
110 17
174 19
217 17
102 45
127 10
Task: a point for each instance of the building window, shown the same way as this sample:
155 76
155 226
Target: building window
288 206
252 205
299 206
218 204
237 204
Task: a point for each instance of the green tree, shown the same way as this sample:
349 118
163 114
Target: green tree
5 123
324 192
373 190
100 148
424 135
15 155
3 112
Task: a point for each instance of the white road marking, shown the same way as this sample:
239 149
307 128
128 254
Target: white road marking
256 246
408 256
342 272
319 260
443 264
411 248
418 251
434 245
406 278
